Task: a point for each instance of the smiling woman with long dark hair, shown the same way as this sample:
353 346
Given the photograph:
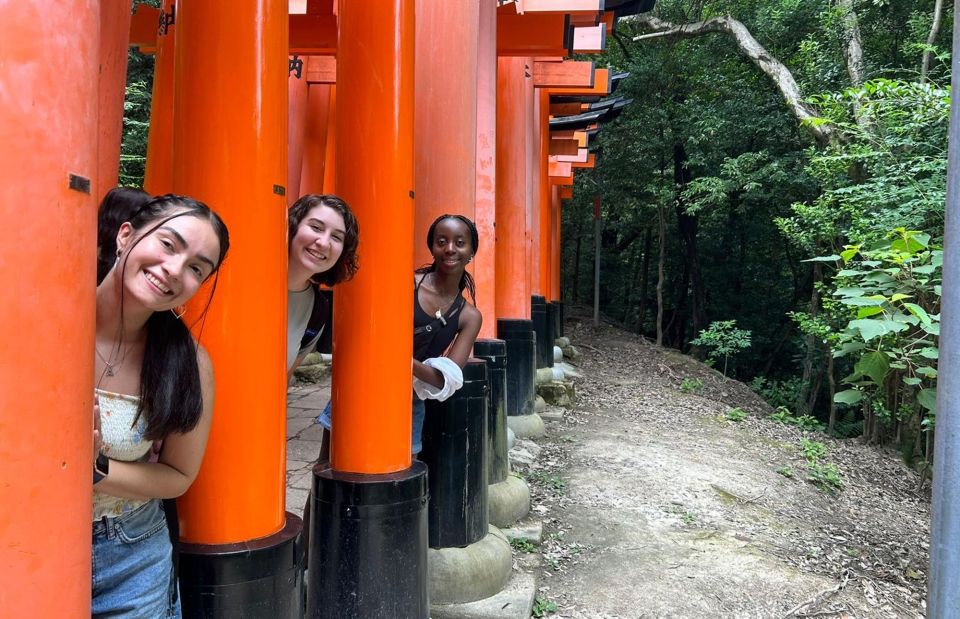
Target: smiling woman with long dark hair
153 382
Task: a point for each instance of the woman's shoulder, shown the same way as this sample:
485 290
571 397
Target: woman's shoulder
470 312
204 364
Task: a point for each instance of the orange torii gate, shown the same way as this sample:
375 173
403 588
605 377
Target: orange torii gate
221 102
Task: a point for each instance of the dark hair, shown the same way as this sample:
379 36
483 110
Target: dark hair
466 280
348 262
118 206
170 395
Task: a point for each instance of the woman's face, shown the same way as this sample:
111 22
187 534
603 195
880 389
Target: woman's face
166 267
452 246
318 242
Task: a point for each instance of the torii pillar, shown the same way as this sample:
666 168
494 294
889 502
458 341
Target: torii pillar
369 518
48 173
158 178
230 151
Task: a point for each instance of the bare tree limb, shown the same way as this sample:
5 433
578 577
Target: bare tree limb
751 48
931 39
853 48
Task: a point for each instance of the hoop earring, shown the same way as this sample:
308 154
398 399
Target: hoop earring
183 310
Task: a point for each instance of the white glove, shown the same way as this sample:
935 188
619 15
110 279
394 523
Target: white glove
452 380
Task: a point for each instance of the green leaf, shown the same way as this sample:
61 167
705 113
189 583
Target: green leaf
925 269
832 258
932 328
850 396
862 301
869 329
848 254
930 353
927 398
875 365
866 312
849 272
911 380
926 371
850 292
899 296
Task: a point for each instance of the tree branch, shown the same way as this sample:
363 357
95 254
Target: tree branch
774 69
931 39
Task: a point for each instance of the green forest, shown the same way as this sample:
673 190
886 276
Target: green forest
773 200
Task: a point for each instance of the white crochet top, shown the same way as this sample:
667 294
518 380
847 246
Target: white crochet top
122 440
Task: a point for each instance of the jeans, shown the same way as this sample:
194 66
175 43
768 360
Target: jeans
419 412
132 566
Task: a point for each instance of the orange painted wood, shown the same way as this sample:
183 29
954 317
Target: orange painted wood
601 86
373 344
562 180
530 35
513 297
313 34
315 137
445 95
555 246
484 263
534 177
143 28
330 159
230 151
296 130
566 109
559 6
320 7
579 157
158 178
567 73
48 129
566 192
558 168
321 69
578 20
591 162
590 39
609 20
114 37
560 146
544 227
580 136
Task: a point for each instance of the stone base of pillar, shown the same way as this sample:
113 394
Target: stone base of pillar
539 405
557 354
544 375
561 342
558 393
508 501
526 426
471 573
261 578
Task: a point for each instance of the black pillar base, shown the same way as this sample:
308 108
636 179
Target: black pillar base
561 318
455 452
368 545
553 317
538 314
521 363
261 578
494 352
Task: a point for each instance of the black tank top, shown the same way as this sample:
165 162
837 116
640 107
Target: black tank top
433 342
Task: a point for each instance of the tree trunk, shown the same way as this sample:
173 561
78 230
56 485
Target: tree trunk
831 424
644 278
661 244
688 225
931 39
811 342
774 69
576 263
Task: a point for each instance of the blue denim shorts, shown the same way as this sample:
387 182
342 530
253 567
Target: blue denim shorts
419 411
133 566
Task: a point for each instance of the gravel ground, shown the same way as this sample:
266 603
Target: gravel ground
657 505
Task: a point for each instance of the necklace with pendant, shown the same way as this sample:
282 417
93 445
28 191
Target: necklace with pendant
111 368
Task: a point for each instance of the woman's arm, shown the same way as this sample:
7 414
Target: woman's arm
179 460
460 348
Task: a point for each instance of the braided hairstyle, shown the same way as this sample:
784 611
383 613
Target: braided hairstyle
466 280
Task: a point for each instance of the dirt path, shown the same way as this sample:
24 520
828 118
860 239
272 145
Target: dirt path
657 505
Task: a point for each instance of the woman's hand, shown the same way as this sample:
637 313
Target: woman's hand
97 434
